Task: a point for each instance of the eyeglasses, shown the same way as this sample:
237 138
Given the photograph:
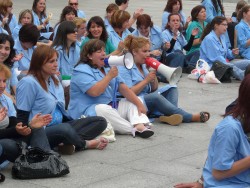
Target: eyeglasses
72 4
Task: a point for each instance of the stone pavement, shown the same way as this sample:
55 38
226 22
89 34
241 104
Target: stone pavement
172 155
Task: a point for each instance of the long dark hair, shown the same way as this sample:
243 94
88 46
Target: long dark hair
210 26
89 48
3 38
242 108
98 21
66 27
217 4
34 8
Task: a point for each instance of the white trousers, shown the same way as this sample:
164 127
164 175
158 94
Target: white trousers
122 119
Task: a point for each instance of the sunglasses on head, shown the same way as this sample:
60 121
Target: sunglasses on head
73 4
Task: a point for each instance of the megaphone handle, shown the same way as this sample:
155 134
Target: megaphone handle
114 99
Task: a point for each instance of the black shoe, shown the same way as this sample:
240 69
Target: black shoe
2 177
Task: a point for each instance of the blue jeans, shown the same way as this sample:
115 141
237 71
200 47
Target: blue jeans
192 58
239 67
73 132
176 59
11 149
166 103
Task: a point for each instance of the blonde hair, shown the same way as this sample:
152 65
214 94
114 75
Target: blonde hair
79 21
5 70
134 43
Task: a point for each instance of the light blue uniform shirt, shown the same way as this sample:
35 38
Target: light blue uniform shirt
228 144
155 37
2 30
24 62
210 10
37 22
83 78
243 34
106 23
78 43
15 33
81 14
212 49
165 19
66 62
115 38
134 76
167 36
33 98
7 103
13 23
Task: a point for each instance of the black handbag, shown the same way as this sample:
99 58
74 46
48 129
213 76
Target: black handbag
34 163
222 71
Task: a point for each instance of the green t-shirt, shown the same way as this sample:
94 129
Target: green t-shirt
191 26
109 47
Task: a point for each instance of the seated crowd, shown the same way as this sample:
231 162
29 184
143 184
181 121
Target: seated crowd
56 79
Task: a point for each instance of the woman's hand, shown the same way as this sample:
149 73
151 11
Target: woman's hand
5 20
141 109
189 185
195 31
3 113
189 19
17 57
235 51
39 120
113 72
155 53
121 46
137 13
151 76
22 130
167 45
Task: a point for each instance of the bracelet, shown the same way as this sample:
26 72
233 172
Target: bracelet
200 181
29 125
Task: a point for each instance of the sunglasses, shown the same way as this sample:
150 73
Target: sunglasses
73 4
73 31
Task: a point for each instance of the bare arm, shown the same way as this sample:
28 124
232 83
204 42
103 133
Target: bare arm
100 86
238 167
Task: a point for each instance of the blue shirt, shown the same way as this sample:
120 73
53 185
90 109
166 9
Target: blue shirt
36 22
167 36
81 14
83 78
8 104
210 10
243 34
66 62
24 62
12 81
165 19
212 49
13 23
115 38
31 97
228 144
15 32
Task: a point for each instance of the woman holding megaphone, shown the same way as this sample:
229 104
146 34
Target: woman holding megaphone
93 92
163 101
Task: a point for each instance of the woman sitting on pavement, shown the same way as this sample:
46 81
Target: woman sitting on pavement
243 32
174 42
93 89
41 91
144 84
214 47
198 14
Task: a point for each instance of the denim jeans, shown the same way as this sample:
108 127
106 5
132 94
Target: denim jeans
166 103
176 59
192 58
73 132
239 67
10 147
76 132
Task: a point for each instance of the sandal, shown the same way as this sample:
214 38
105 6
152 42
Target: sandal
145 133
204 116
2 177
99 143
